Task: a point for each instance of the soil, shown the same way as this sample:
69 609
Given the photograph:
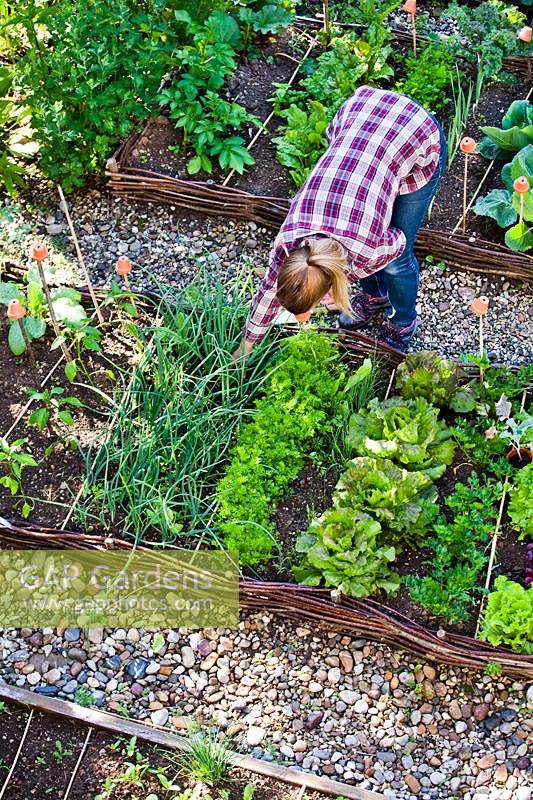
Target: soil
52 485
447 208
43 771
251 86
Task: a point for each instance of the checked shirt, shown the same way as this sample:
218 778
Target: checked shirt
381 144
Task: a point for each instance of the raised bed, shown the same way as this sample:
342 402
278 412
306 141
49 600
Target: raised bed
88 754
387 621
134 173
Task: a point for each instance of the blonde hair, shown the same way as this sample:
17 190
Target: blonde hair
313 270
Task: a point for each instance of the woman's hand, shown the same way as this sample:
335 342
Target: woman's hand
243 350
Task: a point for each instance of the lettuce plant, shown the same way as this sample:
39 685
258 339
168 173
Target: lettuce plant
406 431
342 549
437 380
508 618
403 502
305 407
520 508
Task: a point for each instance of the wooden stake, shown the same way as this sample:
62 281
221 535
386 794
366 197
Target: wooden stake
77 766
481 348
465 180
80 255
31 354
413 23
327 24
17 755
51 310
492 549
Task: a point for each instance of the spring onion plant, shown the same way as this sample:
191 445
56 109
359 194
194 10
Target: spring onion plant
160 461
462 100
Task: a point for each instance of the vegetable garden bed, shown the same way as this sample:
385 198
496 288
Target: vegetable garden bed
186 476
141 167
55 747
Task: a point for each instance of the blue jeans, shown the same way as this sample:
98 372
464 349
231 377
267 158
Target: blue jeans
401 277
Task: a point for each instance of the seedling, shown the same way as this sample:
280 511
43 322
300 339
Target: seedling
12 462
60 753
467 146
84 697
54 407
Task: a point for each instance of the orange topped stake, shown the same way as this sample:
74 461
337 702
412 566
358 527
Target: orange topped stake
409 6
480 306
521 184
524 34
15 310
467 145
39 252
123 266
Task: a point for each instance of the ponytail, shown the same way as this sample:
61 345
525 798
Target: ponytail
313 270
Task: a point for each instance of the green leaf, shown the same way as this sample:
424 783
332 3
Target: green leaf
66 417
487 148
26 509
522 164
39 418
15 339
182 16
519 238
68 310
512 139
35 328
158 642
58 341
10 291
497 205
71 370
195 165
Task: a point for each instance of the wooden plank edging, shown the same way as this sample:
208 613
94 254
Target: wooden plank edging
126 727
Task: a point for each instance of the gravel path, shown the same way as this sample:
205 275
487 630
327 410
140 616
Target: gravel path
330 704
167 246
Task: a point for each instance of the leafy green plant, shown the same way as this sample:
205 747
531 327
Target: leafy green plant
304 139
60 752
341 550
515 133
208 121
520 507
429 76
349 62
84 697
13 460
493 669
487 34
207 758
53 407
437 380
305 406
406 431
97 76
65 302
458 551
16 141
508 617
403 502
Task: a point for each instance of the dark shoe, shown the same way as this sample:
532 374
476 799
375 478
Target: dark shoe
364 309
398 338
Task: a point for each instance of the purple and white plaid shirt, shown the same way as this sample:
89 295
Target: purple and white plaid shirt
381 144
